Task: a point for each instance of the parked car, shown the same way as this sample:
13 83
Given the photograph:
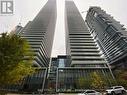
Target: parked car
116 90
90 92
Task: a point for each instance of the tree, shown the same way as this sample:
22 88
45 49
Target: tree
15 59
97 81
121 77
84 83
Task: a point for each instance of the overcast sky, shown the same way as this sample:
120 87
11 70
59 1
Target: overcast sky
26 10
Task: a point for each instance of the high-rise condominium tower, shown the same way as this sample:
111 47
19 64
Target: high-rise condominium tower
110 35
83 55
81 48
40 33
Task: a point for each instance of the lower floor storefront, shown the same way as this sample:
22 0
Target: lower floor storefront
67 79
75 79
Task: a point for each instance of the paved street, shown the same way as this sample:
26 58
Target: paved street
46 94
50 94
43 94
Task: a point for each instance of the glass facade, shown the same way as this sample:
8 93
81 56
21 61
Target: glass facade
61 63
40 33
110 35
72 72
35 82
58 62
77 79
80 45
83 55
31 83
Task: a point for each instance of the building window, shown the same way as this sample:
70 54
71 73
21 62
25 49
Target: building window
121 42
95 14
125 39
110 41
103 19
94 34
111 30
61 63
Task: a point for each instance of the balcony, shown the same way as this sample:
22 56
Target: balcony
87 58
83 44
88 62
83 47
85 54
84 50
